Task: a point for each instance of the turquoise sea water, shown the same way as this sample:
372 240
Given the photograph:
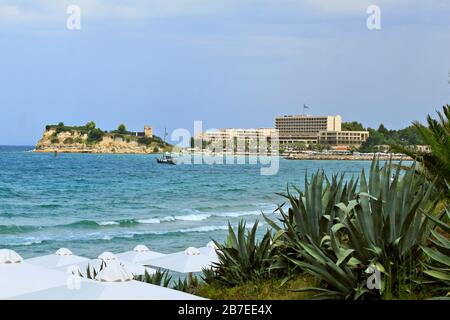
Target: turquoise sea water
92 203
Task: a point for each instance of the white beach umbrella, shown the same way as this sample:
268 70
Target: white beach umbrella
95 290
23 278
63 252
114 271
61 259
9 256
187 261
210 250
141 248
140 254
106 256
96 264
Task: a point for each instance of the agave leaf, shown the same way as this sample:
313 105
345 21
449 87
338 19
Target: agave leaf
344 255
440 223
436 255
444 276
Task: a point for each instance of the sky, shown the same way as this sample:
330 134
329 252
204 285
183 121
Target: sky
228 63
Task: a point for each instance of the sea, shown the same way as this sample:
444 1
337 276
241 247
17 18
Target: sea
91 203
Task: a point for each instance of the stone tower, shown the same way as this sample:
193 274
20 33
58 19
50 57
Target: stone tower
148 131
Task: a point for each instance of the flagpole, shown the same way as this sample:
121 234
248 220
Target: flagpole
304 108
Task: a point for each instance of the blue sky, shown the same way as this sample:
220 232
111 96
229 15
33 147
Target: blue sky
229 63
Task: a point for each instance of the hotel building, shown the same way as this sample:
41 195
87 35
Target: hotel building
239 134
346 138
317 129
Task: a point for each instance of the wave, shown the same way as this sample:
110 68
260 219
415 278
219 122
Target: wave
7 229
9 193
156 220
203 229
191 216
108 223
96 224
50 206
109 237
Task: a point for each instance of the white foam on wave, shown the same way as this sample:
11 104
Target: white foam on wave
203 229
26 241
239 214
149 221
156 220
194 217
200 216
118 235
108 223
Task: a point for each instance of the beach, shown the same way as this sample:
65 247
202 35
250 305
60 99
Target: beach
346 157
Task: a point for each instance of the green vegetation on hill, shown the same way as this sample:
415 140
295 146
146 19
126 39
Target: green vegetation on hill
382 136
61 127
96 135
408 136
352 126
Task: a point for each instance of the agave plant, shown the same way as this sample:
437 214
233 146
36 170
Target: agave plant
187 284
386 224
382 228
336 268
159 278
208 275
438 267
311 215
243 257
91 273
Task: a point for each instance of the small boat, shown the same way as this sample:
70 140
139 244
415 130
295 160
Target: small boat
166 159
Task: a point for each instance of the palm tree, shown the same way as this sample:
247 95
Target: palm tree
435 165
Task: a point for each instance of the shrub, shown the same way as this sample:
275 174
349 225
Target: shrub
90 125
159 278
188 284
145 140
78 140
242 257
68 140
95 135
54 140
311 216
382 228
435 165
122 129
438 264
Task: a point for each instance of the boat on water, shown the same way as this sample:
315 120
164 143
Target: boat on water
166 159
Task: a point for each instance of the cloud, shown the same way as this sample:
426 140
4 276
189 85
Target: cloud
55 10
99 9
9 12
350 7
13 13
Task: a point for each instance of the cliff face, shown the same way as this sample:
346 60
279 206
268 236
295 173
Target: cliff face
74 141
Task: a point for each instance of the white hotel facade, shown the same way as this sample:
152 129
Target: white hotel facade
326 130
